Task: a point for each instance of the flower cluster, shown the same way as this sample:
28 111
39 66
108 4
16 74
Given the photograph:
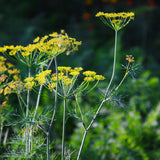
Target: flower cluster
9 77
130 58
91 76
66 77
116 20
43 48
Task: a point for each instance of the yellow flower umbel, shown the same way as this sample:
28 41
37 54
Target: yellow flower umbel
116 21
41 77
43 49
9 78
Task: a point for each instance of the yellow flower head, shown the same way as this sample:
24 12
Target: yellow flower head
2 58
7 90
78 68
14 71
41 77
116 21
29 85
130 58
89 73
9 65
3 77
74 73
1 90
99 77
29 79
64 69
36 40
89 79
52 86
67 81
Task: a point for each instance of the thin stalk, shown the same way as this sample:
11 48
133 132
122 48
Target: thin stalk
39 93
120 83
82 143
114 65
54 111
76 98
27 112
20 105
28 94
89 126
48 156
63 129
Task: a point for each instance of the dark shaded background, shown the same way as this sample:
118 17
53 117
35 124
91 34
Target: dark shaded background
22 20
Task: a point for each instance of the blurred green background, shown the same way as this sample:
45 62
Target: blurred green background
129 129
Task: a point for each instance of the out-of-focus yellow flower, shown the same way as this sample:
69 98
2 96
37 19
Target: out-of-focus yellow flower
7 90
16 77
36 40
1 90
99 77
14 71
78 68
29 85
3 68
9 65
29 79
52 86
67 81
64 69
3 77
2 58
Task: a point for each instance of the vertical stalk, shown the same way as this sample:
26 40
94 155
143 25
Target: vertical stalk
28 94
48 156
82 143
104 100
27 112
54 111
114 65
39 94
63 129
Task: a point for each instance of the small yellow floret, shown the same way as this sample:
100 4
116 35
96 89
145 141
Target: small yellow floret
36 40
99 77
29 85
89 79
29 79
1 90
74 73
78 68
51 86
130 58
89 73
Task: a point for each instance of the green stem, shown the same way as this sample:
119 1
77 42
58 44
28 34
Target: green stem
28 94
63 129
82 143
76 98
39 93
48 156
89 126
114 65
120 82
27 112
54 110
